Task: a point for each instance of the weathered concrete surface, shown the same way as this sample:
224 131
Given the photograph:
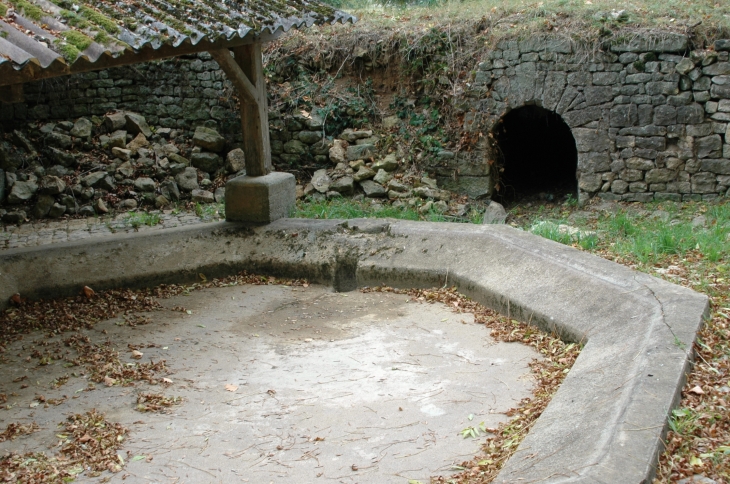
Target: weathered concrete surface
260 199
605 422
325 381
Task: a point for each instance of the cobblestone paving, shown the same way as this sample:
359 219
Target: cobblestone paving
55 231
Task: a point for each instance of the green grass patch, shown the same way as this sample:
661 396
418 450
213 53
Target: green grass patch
210 211
3 10
565 234
137 219
646 236
345 208
706 19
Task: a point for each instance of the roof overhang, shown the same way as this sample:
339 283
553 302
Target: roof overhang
45 39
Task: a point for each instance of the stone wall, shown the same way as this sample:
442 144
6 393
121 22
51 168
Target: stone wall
181 93
650 118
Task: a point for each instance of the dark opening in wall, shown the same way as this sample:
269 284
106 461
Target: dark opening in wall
537 152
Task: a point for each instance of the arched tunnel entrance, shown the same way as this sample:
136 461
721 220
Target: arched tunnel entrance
536 153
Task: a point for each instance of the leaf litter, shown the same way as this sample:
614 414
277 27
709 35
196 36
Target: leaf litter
89 443
156 402
549 373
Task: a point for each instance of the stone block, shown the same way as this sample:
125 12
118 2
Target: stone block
684 66
665 115
722 45
590 182
631 175
114 121
709 146
553 89
717 69
703 182
605 78
638 187
587 139
664 42
658 143
593 162
372 189
666 88
718 166
260 199
209 139
659 175
637 163
136 123
235 160
720 91
623 116
360 152
582 116
598 94
202 196
692 114
207 162
681 99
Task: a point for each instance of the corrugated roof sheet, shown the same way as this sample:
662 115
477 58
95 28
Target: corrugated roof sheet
46 38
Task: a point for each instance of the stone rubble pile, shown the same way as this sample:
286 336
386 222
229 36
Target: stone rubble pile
97 164
361 171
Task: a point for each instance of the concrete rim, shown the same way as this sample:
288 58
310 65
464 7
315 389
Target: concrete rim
606 421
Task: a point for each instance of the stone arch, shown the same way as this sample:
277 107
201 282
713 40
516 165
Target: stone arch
534 151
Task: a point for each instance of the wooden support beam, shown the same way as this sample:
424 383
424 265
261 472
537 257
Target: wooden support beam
12 93
246 72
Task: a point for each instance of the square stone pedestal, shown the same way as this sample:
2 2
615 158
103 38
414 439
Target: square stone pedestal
260 199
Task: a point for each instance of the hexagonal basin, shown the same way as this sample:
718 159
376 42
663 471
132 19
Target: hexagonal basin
355 387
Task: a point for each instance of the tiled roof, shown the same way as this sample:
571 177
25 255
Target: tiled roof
46 38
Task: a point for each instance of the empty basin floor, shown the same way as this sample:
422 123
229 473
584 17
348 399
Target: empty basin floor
327 387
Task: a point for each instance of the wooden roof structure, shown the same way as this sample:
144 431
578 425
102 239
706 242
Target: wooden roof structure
47 38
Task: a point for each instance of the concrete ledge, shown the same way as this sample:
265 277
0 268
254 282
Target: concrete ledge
604 424
260 199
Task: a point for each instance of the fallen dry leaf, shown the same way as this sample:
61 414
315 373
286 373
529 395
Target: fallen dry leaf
109 381
167 380
137 354
697 390
89 292
231 388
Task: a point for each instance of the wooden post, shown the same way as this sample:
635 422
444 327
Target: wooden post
246 72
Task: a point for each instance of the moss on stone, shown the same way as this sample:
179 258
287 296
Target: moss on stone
68 51
74 20
102 38
28 9
99 19
3 10
77 39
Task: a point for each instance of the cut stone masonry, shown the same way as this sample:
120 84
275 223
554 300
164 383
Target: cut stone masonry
650 117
